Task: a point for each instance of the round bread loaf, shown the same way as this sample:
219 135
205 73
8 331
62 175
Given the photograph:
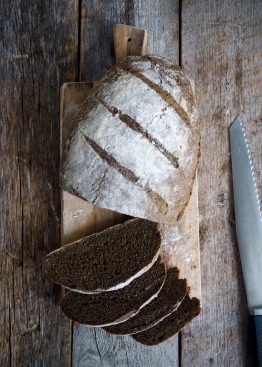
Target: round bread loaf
134 144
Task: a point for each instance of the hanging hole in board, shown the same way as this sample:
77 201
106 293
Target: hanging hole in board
129 39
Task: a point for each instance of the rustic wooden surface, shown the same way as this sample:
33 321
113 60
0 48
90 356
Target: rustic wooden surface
38 46
222 50
161 21
128 41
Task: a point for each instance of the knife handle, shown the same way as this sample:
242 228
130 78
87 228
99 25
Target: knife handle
258 326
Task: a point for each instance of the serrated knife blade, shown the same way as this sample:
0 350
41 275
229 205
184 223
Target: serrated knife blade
248 218
247 214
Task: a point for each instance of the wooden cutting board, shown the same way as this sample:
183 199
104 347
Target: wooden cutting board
79 218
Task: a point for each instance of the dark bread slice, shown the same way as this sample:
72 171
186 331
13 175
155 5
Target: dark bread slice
116 306
189 308
106 259
169 298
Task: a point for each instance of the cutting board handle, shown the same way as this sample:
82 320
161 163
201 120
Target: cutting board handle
128 41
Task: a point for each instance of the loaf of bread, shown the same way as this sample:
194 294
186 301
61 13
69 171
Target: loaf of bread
135 142
120 282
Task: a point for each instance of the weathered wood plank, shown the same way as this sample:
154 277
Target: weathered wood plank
96 347
38 45
222 51
161 21
128 41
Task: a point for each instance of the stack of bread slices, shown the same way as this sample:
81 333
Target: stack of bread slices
134 149
119 281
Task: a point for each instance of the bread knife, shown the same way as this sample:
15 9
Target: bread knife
248 218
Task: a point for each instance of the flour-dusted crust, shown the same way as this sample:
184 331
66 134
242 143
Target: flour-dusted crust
134 146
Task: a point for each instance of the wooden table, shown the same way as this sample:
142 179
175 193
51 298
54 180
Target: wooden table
44 44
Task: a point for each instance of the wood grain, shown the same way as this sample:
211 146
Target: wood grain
98 348
221 44
38 52
222 51
128 41
161 20
96 57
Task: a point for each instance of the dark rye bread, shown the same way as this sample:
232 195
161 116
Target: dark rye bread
103 260
165 329
169 298
115 306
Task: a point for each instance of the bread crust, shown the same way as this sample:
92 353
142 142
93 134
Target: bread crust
135 142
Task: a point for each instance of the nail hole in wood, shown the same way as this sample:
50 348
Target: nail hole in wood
129 39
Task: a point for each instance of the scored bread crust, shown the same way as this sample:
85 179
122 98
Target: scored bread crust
134 145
